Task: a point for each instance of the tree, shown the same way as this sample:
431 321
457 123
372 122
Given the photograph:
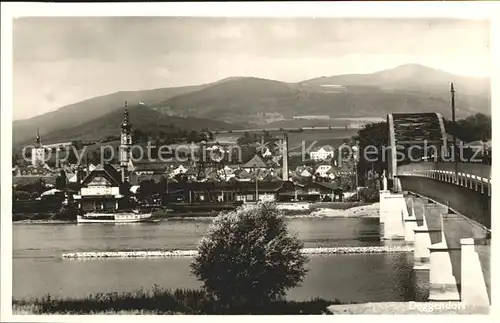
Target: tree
249 258
472 128
375 136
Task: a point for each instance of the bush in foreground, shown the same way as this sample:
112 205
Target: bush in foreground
248 259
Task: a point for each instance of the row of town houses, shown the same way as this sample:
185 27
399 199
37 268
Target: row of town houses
257 167
101 186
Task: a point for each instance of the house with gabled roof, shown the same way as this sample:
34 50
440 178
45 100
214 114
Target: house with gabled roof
322 170
322 153
101 190
256 162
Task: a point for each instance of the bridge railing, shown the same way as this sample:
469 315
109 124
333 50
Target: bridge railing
473 176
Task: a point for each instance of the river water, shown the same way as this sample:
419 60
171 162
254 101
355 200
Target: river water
38 268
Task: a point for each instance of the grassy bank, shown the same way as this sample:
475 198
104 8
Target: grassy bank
159 301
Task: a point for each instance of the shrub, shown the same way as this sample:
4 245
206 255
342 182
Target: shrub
22 195
249 258
367 194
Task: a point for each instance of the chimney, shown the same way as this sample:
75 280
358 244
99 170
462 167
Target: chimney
78 175
87 162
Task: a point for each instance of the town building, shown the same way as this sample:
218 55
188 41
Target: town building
38 152
303 171
322 170
101 190
199 192
315 191
322 154
104 187
146 167
255 164
181 169
125 144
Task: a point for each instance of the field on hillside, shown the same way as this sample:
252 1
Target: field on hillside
332 137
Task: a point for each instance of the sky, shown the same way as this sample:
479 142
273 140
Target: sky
62 60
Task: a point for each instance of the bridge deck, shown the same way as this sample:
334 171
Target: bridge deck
474 204
479 171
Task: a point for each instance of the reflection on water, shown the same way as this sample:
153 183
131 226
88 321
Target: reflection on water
38 268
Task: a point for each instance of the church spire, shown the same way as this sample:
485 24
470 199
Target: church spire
38 139
126 125
126 143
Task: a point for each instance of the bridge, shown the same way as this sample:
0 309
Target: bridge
439 204
432 200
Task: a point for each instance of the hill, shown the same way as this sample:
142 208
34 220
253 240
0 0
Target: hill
75 114
237 100
409 77
142 117
370 95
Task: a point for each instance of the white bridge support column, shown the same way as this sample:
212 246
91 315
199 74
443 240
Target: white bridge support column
384 207
443 285
392 209
410 222
421 253
473 286
423 236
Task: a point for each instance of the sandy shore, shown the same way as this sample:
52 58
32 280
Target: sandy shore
408 308
365 211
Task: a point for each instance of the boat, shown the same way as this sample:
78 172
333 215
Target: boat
117 217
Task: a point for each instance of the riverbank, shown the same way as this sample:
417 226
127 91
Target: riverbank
165 302
290 210
158 301
43 222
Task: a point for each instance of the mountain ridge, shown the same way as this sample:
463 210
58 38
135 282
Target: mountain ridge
235 100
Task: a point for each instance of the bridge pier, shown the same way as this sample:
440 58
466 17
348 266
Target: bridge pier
443 284
424 235
421 253
457 268
454 270
410 221
392 208
384 206
473 288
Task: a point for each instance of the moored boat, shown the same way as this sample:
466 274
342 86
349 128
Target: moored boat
118 217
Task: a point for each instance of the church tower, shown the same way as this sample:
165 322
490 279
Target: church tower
125 143
38 152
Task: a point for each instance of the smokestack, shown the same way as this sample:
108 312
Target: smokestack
285 157
87 162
